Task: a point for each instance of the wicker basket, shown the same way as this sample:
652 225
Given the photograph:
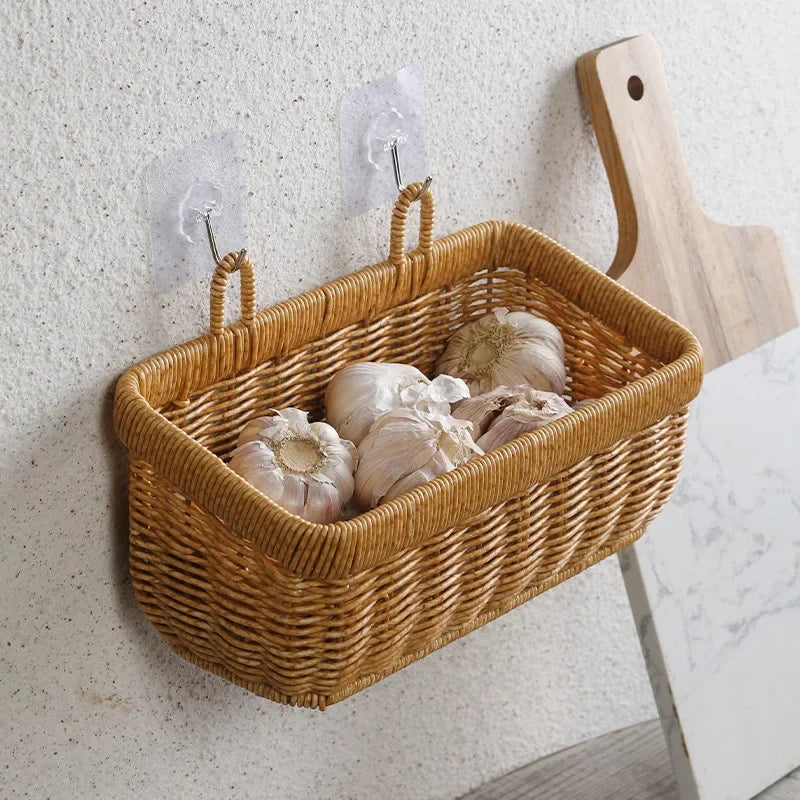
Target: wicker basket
308 614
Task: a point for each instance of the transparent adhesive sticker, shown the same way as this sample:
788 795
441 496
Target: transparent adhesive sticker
204 179
371 119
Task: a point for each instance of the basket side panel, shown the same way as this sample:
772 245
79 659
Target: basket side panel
220 601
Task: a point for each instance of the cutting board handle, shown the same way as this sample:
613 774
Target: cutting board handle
628 99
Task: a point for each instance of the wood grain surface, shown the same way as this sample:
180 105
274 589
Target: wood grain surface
728 285
630 764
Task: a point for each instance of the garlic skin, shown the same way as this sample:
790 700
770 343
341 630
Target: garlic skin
531 410
360 393
407 447
304 467
506 349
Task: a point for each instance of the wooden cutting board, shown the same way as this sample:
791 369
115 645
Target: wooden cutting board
727 284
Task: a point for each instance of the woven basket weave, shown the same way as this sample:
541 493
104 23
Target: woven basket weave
308 614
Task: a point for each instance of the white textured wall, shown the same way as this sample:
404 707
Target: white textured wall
92 703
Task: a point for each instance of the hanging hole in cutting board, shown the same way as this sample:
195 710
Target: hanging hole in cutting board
635 87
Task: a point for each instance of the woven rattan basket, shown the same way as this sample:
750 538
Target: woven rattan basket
308 614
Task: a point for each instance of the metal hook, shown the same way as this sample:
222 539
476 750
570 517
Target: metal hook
239 259
212 242
398 178
210 232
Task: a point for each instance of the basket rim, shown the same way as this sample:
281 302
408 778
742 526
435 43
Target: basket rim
341 548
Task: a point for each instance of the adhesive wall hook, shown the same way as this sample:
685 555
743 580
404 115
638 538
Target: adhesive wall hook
382 140
188 191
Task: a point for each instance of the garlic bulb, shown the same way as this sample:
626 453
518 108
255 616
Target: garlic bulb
304 467
483 409
360 393
406 448
505 348
523 412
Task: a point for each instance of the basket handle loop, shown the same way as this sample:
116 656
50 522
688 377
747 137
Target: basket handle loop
219 283
397 248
